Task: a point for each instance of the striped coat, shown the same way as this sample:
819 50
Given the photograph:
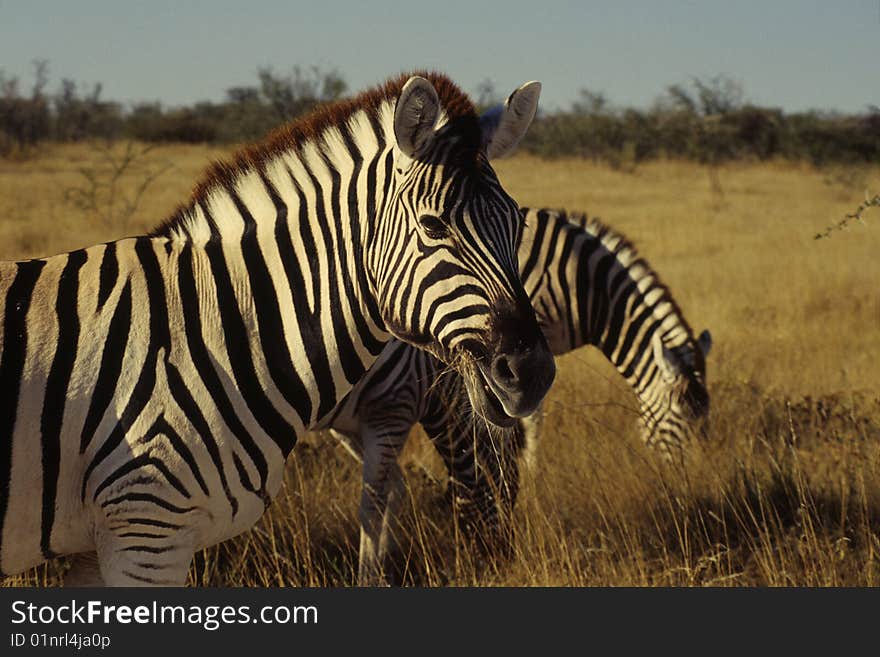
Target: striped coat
152 388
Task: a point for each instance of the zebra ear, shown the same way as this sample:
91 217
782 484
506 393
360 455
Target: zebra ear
505 125
704 342
415 115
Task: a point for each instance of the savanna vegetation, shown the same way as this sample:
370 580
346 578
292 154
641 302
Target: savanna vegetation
785 492
708 120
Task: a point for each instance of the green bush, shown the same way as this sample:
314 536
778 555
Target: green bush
706 121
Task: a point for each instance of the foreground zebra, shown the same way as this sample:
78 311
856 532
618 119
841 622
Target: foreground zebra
153 387
588 286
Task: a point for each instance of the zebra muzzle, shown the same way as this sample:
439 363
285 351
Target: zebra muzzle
519 380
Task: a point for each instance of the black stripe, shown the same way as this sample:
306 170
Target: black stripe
108 275
370 212
160 333
594 306
443 272
202 360
270 325
641 385
179 445
111 366
56 390
141 394
537 242
243 477
15 339
402 260
643 345
438 301
568 242
586 290
141 461
372 344
386 238
159 338
307 319
152 523
472 310
352 365
189 407
238 349
147 497
620 276
148 548
635 322
329 225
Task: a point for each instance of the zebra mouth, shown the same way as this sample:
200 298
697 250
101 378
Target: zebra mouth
487 403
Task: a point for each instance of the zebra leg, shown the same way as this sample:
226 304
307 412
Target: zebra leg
387 542
389 536
125 564
143 533
352 445
497 486
484 476
380 452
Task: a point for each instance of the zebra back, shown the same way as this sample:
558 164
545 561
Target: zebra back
589 286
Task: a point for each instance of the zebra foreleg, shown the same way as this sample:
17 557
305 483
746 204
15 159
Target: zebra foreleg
484 483
86 570
392 529
381 479
143 533
124 564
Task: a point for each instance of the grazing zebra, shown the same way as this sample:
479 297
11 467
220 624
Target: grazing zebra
152 388
588 287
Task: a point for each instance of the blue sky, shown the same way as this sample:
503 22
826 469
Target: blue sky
789 54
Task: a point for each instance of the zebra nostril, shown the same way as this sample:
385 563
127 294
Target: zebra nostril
502 372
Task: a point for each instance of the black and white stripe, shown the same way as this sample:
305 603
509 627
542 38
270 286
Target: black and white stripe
152 388
588 287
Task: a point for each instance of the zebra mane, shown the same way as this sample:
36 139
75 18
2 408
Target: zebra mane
638 268
295 134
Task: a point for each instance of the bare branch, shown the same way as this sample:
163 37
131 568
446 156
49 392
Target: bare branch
853 216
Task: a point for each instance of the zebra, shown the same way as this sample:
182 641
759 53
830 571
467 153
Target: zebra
588 286
153 387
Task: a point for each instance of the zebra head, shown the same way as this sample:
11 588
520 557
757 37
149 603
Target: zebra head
445 267
676 405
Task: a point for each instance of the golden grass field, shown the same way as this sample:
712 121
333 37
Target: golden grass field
787 492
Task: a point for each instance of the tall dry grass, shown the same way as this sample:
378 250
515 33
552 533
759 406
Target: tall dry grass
786 493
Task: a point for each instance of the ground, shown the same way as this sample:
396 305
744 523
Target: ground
786 492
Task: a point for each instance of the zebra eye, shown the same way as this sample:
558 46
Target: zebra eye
433 226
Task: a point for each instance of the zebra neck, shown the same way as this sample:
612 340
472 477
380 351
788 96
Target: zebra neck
631 311
590 287
286 242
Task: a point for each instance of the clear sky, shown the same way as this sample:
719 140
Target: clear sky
792 54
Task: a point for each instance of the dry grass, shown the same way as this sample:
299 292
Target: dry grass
787 492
